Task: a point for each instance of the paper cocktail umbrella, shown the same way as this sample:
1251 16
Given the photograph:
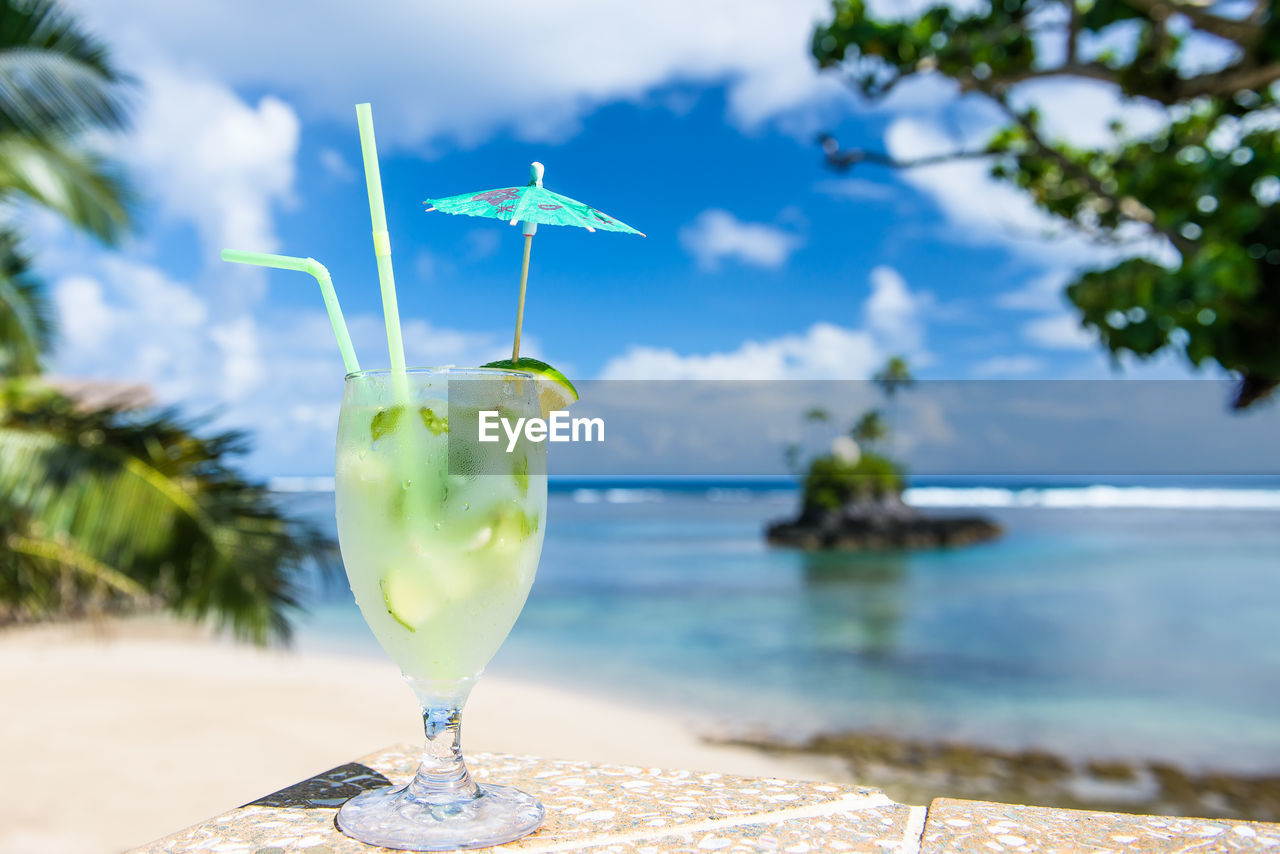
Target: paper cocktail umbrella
533 205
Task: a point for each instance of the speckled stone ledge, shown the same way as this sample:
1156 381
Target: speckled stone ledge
624 809
596 808
973 826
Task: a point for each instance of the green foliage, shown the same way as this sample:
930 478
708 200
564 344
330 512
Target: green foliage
62 176
791 457
870 428
104 506
55 78
831 482
894 376
1205 183
26 326
56 85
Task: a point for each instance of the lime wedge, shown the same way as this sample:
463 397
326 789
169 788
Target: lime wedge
554 389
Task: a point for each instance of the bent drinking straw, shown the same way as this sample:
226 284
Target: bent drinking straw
315 268
382 250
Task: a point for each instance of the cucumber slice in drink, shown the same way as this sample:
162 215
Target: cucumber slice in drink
510 529
409 596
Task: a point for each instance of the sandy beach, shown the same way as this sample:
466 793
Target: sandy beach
119 732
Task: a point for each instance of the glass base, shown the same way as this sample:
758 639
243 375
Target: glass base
395 818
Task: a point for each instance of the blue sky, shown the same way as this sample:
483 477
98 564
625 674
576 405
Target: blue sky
692 122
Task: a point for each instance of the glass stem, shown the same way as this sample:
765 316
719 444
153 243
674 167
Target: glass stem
442 777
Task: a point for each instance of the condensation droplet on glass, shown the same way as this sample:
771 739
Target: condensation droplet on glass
466 506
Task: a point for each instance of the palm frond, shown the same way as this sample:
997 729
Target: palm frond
63 555
143 495
55 77
42 578
26 324
60 175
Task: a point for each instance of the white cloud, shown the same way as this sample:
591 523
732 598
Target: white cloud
823 351
332 161
893 312
855 189
1043 293
1056 326
978 208
1008 366
210 159
133 322
426 344
982 210
1059 332
83 314
716 235
1081 112
905 9
444 70
275 371
218 166
239 355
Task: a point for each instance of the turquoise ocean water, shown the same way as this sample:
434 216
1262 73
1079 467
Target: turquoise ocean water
1107 622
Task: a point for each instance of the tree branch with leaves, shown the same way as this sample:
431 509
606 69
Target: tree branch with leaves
1205 183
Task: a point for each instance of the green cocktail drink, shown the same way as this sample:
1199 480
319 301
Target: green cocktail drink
441 539
440 561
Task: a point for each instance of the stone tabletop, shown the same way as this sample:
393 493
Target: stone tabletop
980 826
614 808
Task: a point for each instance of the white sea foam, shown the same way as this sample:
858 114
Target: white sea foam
632 496
1095 496
1061 497
617 495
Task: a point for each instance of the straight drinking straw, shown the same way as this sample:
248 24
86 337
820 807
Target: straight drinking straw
382 249
315 268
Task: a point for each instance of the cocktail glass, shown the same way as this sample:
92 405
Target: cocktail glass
440 555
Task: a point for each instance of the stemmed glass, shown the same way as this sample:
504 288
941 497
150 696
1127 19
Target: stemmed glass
440 537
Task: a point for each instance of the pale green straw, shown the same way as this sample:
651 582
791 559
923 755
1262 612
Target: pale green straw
382 249
315 268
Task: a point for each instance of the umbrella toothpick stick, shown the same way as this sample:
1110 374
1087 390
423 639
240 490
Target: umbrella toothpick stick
529 229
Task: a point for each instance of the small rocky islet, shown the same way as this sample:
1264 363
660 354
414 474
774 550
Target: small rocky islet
878 524
854 503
